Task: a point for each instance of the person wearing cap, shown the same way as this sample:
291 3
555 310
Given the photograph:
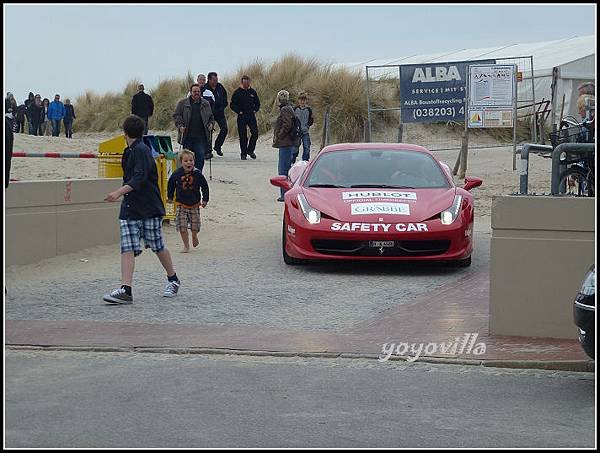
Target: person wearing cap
142 106
245 103
282 135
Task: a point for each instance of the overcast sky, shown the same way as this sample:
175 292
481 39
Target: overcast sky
68 49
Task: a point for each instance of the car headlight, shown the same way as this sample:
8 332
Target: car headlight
451 214
312 215
588 287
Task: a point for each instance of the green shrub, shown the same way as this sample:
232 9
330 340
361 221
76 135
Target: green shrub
340 89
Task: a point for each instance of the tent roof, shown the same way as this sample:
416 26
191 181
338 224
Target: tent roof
546 54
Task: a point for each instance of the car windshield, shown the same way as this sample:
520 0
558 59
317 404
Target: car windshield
377 168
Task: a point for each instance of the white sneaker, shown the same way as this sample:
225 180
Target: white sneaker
171 289
118 296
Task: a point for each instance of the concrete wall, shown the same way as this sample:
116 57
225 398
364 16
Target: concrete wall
541 250
49 218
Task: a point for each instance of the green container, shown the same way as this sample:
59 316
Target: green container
165 147
152 143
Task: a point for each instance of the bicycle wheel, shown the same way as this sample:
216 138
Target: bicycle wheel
575 182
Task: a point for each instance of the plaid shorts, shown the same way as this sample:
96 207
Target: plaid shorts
187 218
132 231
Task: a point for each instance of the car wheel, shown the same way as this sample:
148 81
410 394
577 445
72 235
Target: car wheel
462 263
287 259
587 342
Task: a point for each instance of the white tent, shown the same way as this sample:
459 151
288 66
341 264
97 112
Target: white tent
572 59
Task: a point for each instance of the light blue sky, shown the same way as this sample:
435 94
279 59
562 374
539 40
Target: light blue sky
68 49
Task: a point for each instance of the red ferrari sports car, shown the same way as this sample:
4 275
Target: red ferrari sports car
376 201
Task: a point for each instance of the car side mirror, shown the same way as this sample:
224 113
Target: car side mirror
297 170
281 181
471 183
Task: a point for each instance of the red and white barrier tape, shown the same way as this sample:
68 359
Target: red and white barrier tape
79 155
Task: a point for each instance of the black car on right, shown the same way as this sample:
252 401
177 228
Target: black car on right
584 310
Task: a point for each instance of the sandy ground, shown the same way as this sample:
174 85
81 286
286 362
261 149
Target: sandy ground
236 275
493 165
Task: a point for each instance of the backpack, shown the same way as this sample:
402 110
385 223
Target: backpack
296 131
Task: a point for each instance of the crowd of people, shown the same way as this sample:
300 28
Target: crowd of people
142 208
42 116
205 106
195 117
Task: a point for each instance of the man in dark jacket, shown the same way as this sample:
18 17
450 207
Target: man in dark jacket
142 106
68 119
282 135
245 103
220 95
20 119
194 120
28 103
36 113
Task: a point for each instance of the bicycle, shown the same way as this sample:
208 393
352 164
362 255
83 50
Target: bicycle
579 177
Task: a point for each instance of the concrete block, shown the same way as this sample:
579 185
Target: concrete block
541 249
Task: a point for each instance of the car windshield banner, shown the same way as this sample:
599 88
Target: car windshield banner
434 92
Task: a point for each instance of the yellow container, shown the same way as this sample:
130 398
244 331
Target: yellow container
110 154
115 145
109 157
109 166
164 167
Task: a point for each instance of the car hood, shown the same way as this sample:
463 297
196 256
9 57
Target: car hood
391 205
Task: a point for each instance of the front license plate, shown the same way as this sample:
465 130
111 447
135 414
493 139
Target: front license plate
381 243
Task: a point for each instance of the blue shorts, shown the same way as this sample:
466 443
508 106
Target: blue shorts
132 231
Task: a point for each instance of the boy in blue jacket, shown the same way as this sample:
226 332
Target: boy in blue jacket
191 190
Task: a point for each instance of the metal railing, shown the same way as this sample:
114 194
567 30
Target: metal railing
524 168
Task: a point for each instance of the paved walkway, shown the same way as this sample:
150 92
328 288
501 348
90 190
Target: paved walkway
237 295
456 313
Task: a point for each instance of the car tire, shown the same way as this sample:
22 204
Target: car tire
462 263
587 343
287 259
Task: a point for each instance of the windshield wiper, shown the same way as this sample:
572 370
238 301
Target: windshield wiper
381 186
327 185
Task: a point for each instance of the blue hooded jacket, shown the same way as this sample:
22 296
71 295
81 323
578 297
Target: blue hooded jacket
56 110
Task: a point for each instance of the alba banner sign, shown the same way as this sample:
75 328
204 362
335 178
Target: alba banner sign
434 92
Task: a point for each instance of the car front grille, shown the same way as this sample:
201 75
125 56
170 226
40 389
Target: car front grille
363 248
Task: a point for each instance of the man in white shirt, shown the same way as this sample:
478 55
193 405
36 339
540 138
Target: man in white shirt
206 94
